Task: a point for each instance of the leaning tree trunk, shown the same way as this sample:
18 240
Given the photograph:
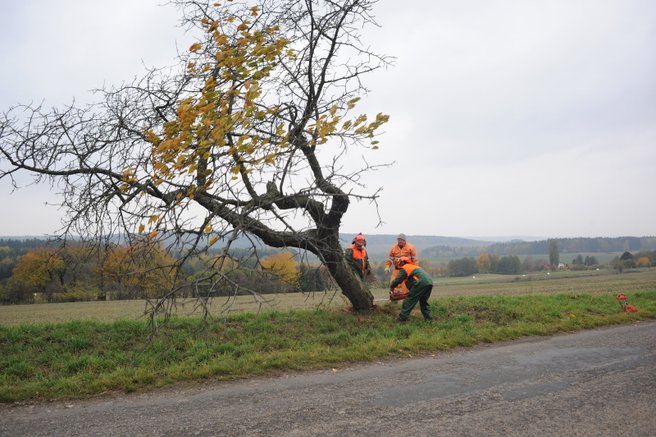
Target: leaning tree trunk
348 281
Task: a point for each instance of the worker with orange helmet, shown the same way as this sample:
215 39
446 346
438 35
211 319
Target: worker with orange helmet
420 286
401 248
357 257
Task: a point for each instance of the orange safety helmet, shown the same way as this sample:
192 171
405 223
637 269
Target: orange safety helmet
360 238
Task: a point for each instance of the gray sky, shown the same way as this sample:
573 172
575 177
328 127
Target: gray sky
508 118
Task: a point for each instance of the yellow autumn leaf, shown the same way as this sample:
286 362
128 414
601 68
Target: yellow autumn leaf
212 240
195 47
351 103
361 119
141 228
151 137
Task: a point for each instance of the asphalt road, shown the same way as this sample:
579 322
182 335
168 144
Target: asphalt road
591 383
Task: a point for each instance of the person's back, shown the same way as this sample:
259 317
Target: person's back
416 275
420 286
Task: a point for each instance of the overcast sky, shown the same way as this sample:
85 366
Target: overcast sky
508 118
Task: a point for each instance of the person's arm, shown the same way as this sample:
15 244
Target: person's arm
348 253
399 278
388 261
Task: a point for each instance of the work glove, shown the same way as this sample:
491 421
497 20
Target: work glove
388 269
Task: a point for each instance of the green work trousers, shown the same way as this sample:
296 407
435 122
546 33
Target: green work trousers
418 293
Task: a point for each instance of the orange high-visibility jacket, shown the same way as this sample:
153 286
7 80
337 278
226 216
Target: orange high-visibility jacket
359 259
397 252
412 275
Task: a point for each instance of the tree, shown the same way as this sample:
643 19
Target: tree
283 266
41 271
484 263
310 278
590 261
554 255
645 258
627 260
255 135
626 256
462 267
137 271
643 261
509 265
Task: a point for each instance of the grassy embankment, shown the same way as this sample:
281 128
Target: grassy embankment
77 357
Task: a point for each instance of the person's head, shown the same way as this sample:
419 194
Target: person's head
403 261
359 240
400 240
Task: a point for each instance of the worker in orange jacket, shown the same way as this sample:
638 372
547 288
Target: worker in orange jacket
420 285
357 257
401 248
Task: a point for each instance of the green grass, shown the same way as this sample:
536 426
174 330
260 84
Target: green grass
84 358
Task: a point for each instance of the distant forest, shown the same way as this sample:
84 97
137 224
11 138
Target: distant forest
429 247
565 246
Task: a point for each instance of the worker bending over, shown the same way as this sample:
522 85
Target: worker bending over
420 286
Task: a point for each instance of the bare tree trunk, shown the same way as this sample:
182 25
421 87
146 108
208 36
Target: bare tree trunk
352 286
348 281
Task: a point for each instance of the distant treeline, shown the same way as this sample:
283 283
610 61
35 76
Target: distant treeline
33 270
565 245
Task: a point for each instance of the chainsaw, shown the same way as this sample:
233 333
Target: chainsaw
397 295
400 292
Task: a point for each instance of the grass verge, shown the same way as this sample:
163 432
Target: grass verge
84 358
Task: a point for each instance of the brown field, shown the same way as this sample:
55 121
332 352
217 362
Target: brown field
557 282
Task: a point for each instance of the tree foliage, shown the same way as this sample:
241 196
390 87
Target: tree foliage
462 267
253 135
141 270
41 270
283 266
509 265
484 263
554 253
